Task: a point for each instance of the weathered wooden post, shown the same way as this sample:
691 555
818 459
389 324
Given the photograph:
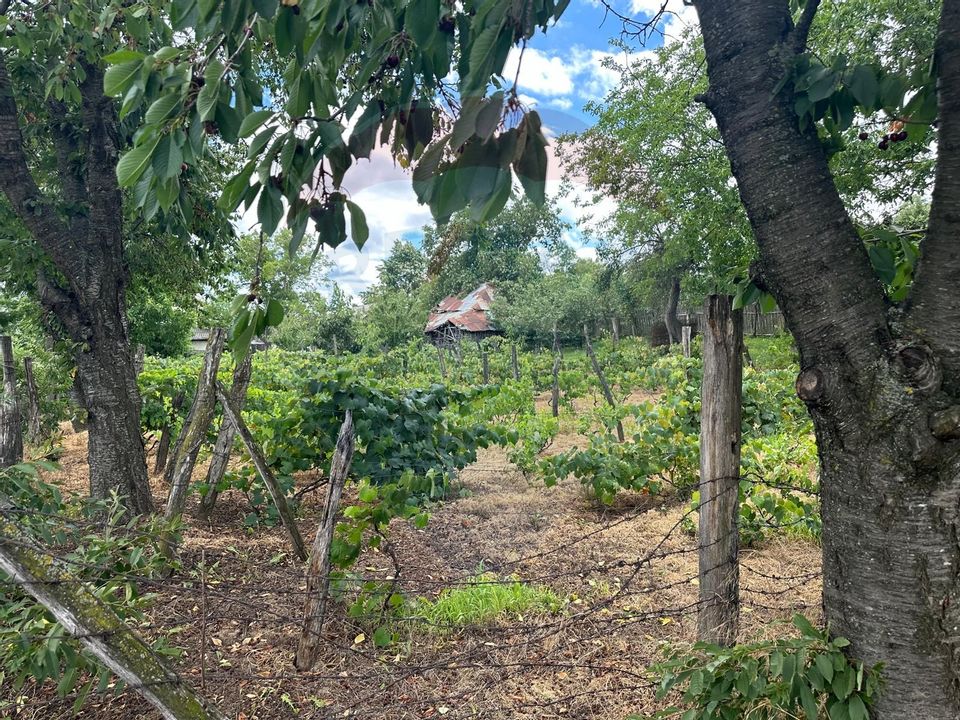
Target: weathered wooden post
232 415
163 448
514 363
685 332
443 365
615 328
720 471
11 440
104 634
225 436
485 361
34 431
193 433
603 380
318 572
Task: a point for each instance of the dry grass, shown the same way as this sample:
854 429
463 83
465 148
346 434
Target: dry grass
588 662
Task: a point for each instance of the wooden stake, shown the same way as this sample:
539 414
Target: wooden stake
11 440
318 572
225 436
443 365
163 449
485 360
514 363
99 629
686 332
615 327
193 435
603 380
232 414
720 471
34 431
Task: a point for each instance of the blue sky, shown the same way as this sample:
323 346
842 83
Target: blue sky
560 72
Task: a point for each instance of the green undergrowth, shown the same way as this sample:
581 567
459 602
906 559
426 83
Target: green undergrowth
485 599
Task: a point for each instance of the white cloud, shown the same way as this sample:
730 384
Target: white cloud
539 73
678 16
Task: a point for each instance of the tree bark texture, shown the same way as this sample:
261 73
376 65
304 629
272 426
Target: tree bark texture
11 437
670 314
720 411
192 437
34 429
878 379
85 244
318 572
225 437
100 630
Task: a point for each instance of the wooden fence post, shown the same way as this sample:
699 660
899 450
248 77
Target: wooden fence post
163 449
318 572
443 365
603 380
485 361
11 439
685 332
99 628
193 435
514 363
720 471
34 431
225 436
615 327
232 414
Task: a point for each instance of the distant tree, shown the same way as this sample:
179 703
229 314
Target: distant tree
405 268
506 251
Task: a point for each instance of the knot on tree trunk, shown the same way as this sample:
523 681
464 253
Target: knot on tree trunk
811 385
945 424
919 367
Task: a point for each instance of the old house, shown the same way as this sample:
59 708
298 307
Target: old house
468 318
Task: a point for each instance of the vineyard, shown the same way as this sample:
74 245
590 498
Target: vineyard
490 559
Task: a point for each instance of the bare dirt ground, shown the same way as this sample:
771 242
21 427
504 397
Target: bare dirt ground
627 575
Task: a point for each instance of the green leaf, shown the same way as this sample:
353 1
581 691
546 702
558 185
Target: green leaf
804 626
481 54
489 115
531 166
359 231
134 162
274 312
167 157
235 189
252 122
270 209
808 702
382 637
207 101
864 86
825 666
161 109
123 56
118 78
857 709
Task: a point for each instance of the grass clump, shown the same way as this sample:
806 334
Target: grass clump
486 598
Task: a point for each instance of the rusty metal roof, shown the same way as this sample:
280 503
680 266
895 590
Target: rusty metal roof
468 314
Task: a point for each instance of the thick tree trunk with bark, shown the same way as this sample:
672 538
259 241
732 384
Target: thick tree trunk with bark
670 318
82 237
882 383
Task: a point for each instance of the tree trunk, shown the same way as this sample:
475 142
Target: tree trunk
11 439
34 430
720 412
83 240
225 437
670 314
883 388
